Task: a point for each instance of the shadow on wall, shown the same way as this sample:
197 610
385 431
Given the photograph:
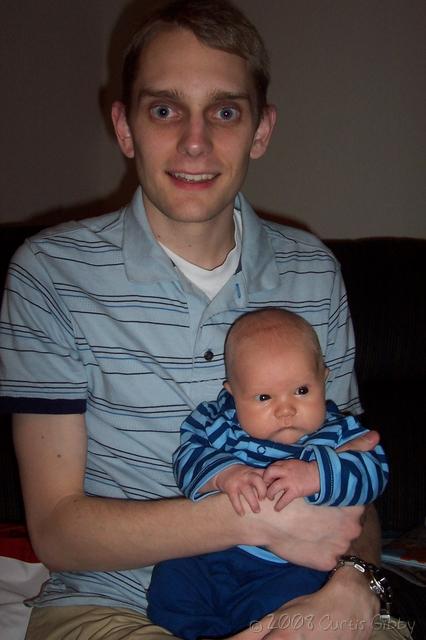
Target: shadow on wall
127 23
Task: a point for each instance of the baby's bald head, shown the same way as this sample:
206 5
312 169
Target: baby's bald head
280 325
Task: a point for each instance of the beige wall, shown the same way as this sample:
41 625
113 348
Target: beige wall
348 157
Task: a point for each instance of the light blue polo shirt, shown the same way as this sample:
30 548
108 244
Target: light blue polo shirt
97 319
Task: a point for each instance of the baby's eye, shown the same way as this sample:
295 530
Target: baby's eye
262 397
228 113
161 111
302 391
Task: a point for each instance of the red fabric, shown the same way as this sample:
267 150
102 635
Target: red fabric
15 543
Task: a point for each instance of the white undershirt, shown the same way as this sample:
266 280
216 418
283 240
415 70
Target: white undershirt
211 281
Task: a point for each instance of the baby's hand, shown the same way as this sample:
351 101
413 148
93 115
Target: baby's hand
292 478
241 480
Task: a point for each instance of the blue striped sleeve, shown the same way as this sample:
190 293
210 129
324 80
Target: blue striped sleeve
350 477
40 367
197 460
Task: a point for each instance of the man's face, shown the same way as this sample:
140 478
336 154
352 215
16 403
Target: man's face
278 389
192 128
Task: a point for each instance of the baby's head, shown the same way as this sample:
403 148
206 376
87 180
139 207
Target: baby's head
276 374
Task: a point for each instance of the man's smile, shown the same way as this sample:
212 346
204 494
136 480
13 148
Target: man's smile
192 177
192 181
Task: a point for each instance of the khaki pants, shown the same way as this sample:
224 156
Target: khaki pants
110 623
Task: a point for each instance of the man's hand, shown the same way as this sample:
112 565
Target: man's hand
344 609
291 479
367 442
304 534
239 481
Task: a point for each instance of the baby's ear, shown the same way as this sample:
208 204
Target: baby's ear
326 373
227 387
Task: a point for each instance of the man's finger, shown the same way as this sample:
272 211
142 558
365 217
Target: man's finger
367 442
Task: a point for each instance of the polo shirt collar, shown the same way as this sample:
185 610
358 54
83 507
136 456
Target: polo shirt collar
145 261
258 264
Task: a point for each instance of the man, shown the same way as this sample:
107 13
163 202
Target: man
115 328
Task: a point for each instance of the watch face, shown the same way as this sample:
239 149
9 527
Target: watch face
376 586
377 581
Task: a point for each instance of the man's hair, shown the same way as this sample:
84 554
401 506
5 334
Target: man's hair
217 24
272 320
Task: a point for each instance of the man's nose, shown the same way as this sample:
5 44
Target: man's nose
195 139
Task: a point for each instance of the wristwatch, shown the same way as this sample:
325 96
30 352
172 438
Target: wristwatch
377 581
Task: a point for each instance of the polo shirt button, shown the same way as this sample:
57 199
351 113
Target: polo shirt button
261 449
209 355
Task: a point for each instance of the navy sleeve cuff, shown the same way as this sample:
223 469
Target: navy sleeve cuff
42 405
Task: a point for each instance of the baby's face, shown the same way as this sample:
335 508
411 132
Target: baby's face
279 390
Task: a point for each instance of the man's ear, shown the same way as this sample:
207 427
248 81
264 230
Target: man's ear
122 129
263 132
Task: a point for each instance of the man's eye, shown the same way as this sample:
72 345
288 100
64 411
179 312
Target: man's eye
161 111
262 397
228 113
302 391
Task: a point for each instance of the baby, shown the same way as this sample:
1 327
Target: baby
270 434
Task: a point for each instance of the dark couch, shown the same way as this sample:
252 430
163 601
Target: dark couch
385 279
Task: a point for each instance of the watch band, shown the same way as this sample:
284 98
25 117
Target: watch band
377 581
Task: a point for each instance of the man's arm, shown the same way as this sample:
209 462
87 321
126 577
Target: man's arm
72 531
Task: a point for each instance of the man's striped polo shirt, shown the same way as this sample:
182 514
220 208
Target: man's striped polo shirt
97 320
